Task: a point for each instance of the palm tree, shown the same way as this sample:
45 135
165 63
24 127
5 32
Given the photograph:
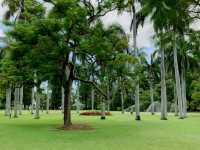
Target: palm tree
152 75
176 21
180 23
186 61
137 90
156 9
15 7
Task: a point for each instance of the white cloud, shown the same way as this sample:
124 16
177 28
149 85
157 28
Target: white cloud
196 25
145 33
1 33
2 10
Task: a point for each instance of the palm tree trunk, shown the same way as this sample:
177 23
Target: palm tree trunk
8 102
163 88
175 101
63 98
32 101
47 104
78 99
108 97
152 98
16 102
178 83
137 100
37 97
37 108
183 92
122 101
92 98
21 95
108 107
137 92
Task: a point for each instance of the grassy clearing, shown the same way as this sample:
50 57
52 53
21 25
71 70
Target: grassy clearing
118 132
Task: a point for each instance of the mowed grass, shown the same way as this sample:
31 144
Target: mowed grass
117 132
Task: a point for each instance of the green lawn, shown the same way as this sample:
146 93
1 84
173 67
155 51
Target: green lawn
118 132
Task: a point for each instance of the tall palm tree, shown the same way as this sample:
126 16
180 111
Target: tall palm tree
15 8
179 22
186 62
152 75
156 9
134 29
176 21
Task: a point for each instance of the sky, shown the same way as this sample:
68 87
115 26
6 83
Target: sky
144 37
2 11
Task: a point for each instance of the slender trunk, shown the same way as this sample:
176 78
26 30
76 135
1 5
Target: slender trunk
108 98
163 87
16 102
32 101
21 95
152 98
8 102
122 101
37 107
92 98
178 83
108 107
78 107
103 113
63 98
132 107
47 104
137 92
175 101
137 100
183 92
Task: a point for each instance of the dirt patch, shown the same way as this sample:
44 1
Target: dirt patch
76 127
94 113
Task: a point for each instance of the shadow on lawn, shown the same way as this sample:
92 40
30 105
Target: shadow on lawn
54 126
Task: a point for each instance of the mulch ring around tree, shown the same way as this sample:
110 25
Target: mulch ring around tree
76 127
94 113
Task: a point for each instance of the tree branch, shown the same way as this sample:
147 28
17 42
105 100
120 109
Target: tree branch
93 83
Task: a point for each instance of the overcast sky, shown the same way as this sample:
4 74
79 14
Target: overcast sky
144 38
